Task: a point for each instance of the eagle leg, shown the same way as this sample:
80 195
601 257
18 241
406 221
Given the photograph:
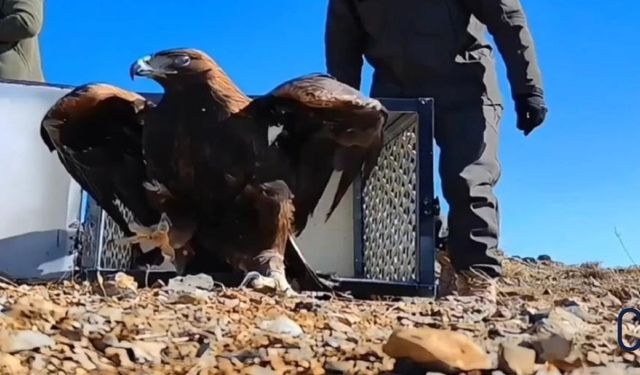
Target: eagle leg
276 280
149 238
275 210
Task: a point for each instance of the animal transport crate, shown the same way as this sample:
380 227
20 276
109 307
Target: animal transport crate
386 230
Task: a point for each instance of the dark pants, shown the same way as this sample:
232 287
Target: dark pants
469 169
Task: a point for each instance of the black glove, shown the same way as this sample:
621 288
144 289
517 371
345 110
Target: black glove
531 111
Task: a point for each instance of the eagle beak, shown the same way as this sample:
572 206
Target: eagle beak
141 68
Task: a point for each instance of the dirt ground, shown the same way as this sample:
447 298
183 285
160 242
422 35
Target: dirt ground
551 319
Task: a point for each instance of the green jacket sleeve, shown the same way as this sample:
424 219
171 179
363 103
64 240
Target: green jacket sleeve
507 23
20 19
344 43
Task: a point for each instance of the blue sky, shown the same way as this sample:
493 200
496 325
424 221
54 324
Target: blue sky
563 189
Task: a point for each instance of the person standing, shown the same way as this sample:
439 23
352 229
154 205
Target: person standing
20 25
438 49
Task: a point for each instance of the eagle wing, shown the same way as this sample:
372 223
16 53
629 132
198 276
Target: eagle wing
327 126
97 133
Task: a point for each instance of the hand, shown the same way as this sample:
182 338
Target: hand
531 111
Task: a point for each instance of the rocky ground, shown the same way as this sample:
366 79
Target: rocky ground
551 319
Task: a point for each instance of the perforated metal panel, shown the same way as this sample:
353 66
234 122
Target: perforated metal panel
394 223
97 234
389 202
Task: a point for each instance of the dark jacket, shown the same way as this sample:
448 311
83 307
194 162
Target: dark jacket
433 48
20 24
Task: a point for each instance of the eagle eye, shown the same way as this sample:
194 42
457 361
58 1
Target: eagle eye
181 61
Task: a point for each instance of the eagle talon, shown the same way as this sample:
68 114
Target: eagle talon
276 283
258 282
282 284
149 238
166 265
249 277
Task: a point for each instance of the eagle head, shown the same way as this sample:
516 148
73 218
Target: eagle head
162 66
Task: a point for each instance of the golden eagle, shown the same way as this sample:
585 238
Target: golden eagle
208 170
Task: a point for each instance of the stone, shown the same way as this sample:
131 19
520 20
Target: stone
555 339
559 351
553 346
10 364
259 370
437 349
611 369
340 327
18 341
147 351
113 314
39 363
37 306
593 358
340 366
516 360
580 312
281 325
609 300
547 369
563 322
190 283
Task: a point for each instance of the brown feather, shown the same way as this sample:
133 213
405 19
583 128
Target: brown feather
96 133
226 92
80 104
285 225
223 89
327 125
